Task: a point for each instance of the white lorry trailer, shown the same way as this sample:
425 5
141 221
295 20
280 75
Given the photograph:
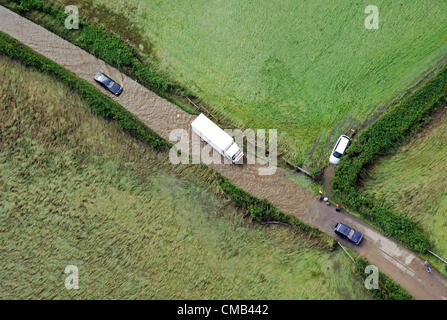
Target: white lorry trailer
217 138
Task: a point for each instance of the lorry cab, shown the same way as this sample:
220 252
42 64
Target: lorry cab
234 153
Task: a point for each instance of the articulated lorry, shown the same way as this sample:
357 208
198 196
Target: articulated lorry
217 138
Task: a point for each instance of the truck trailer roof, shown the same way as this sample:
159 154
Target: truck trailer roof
206 127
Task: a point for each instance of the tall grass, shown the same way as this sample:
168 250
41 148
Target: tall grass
413 182
99 103
388 289
383 138
106 46
110 109
308 68
77 189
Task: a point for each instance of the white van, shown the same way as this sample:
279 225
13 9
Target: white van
217 138
339 150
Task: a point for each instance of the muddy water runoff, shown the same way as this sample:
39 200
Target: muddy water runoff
162 116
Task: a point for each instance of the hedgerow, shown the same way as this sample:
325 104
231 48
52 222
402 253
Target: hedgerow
388 289
98 102
104 46
382 138
262 210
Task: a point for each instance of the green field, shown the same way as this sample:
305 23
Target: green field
309 68
75 189
413 182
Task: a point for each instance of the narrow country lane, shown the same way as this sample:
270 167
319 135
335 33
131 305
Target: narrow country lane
400 264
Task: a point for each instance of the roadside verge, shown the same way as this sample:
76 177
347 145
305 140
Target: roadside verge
161 116
382 138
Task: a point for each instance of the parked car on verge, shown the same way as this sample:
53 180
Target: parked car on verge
348 233
340 147
108 83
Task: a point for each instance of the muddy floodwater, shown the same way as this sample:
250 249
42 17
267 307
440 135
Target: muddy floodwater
163 117
158 113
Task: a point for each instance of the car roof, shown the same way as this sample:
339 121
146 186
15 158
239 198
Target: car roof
101 75
342 144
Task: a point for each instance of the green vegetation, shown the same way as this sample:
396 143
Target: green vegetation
412 182
388 289
310 69
381 138
105 46
100 104
77 189
262 210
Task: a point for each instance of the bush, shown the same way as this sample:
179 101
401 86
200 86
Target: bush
98 102
388 289
262 210
381 138
99 43
259 209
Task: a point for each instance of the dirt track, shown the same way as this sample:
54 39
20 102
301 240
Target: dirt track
162 116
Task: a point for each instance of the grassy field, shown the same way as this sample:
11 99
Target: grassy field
413 182
311 69
75 189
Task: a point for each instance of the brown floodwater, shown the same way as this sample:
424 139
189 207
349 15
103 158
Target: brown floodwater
159 114
163 117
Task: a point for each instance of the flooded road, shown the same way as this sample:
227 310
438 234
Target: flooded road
162 116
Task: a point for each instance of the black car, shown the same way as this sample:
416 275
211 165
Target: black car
348 233
108 83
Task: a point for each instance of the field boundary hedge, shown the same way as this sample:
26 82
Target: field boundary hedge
388 289
98 102
106 47
260 209
382 138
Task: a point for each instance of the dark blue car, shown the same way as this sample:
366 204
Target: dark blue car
108 83
348 233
